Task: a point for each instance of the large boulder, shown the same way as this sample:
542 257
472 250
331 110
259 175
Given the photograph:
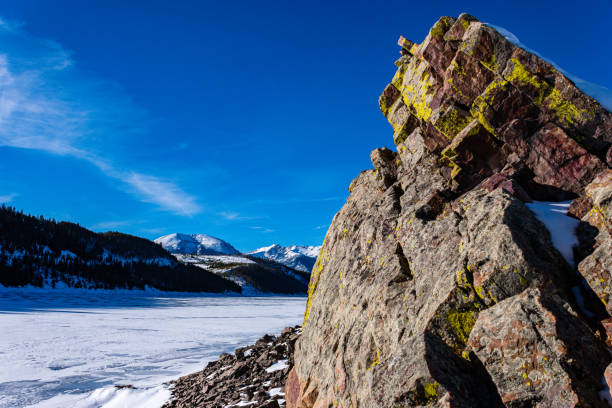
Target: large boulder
434 257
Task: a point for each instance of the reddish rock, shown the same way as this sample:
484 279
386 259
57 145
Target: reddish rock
538 352
458 29
435 285
559 161
580 207
465 79
435 49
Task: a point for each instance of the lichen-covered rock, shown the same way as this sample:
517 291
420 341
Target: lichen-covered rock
436 240
539 353
596 267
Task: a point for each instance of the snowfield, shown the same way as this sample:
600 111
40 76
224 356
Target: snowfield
71 347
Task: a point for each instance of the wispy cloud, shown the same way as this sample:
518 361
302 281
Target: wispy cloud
229 215
7 198
234 216
263 229
163 193
45 104
319 227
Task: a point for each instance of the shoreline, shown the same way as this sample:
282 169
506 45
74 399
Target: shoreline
141 292
253 376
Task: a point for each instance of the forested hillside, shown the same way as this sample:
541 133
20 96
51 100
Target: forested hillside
41 252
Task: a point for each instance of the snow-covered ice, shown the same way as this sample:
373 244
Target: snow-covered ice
71 348
561 226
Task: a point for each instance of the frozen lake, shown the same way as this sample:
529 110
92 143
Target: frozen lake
70 348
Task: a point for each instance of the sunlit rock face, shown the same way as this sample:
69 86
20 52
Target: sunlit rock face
436 285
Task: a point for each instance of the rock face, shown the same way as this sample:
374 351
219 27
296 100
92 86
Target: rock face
436 285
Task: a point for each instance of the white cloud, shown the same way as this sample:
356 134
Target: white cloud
229 215
7 198
263 229
45 105
163 193
234 216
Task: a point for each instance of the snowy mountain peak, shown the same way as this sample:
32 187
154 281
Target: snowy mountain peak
295 256
195 244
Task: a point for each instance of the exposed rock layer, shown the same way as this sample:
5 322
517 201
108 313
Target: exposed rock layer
436 285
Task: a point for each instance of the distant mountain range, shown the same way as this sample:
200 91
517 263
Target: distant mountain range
298 257
273 268
46 253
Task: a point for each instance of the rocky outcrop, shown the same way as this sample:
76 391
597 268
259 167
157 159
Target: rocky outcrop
253 376
436 285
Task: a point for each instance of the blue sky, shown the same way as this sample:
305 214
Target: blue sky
243 120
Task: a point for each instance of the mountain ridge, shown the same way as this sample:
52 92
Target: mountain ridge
301 257
199 244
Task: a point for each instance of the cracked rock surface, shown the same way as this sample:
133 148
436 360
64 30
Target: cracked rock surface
436 285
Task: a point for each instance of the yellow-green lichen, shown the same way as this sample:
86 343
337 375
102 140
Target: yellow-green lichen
461 277
455 172
398 78
438 29
458 68
430 393
547 95
415 88
491 64
461 324
564 109
520 75
479 291
314 280
481 105
452 122
375 362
